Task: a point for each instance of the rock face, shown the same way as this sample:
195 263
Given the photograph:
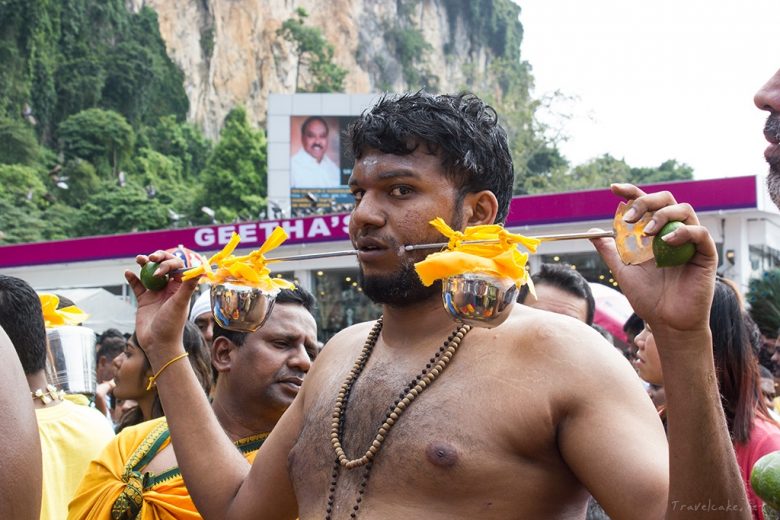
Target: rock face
230 53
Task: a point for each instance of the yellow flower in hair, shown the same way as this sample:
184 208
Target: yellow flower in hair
488 249
54 317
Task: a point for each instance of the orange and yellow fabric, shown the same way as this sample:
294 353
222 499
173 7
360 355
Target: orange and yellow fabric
116 486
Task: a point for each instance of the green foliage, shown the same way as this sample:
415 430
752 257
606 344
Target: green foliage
764 298
207 42
82 181
115 209
20 184
20 222
234 180
601 172
181 140
18 143
102 137
411 48
313 52
491 22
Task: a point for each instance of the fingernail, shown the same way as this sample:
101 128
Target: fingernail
667 237
631 214
650 227
156 272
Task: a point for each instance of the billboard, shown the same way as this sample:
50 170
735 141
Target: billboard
320 164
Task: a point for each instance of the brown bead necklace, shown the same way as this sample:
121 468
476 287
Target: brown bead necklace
428 375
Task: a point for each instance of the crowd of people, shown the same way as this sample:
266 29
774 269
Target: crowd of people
540 417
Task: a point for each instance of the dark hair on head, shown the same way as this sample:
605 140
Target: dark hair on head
567 279
110 333
22 318
298 295
735 364
309 120
634 324
200 361
461 129
111 347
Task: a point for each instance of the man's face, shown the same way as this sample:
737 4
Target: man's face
768 98
270 366
315 139
395 199
205 323
553 299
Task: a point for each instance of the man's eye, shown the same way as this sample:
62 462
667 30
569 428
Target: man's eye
400 191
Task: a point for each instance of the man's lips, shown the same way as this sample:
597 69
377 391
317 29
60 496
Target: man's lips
297 381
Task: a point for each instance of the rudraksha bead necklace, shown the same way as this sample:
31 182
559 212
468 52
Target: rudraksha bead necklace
428 375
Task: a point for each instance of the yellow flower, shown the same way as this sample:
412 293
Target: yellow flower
497 254
250 270
53 317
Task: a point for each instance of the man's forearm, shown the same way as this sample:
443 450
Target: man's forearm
212 468
704 476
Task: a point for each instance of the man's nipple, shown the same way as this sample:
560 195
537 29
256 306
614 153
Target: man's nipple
441 454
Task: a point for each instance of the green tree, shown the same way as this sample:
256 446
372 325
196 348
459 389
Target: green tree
313 52
669 170
117 209
234 180
18 143
21 184
99 136
181 140
81 180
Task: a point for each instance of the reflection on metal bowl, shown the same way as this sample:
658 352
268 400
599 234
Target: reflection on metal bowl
480 300
239 307
70 359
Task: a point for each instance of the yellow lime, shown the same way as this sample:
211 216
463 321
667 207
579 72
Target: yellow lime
151 282
765 479
668 255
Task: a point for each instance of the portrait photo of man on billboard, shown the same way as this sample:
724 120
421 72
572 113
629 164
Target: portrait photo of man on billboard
315 152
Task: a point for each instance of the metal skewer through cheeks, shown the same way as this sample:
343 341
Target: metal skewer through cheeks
478 299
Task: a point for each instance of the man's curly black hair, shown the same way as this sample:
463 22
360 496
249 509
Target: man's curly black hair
461 129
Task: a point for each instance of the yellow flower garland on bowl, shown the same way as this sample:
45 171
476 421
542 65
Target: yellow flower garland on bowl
250 270
500 257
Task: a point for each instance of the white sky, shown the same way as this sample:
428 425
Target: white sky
657 80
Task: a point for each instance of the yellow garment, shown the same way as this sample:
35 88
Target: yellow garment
71 436
499 258
116 487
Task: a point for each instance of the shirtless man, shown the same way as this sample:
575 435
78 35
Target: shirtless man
20 455
527 418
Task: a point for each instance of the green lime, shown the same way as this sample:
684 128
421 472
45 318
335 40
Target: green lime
151 282
667 255
765 479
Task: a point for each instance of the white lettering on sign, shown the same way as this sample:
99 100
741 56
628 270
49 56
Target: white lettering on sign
318 228
267 228
248 232
294 229
204 237
224 233
345 229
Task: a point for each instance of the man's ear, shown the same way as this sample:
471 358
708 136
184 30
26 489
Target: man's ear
221 348
480 208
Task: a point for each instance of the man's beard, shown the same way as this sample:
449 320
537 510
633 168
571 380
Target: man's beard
772 128
404 286
398 289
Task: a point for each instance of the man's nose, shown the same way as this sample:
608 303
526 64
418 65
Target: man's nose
299 359
367 213
768 96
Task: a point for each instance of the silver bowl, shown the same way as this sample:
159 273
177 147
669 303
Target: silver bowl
480 300
70 359
239 307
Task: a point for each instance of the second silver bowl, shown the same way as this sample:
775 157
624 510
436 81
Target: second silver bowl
479 300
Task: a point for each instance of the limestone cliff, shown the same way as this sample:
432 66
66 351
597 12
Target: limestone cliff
230 53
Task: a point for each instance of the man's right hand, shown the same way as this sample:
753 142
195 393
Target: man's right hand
161 315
